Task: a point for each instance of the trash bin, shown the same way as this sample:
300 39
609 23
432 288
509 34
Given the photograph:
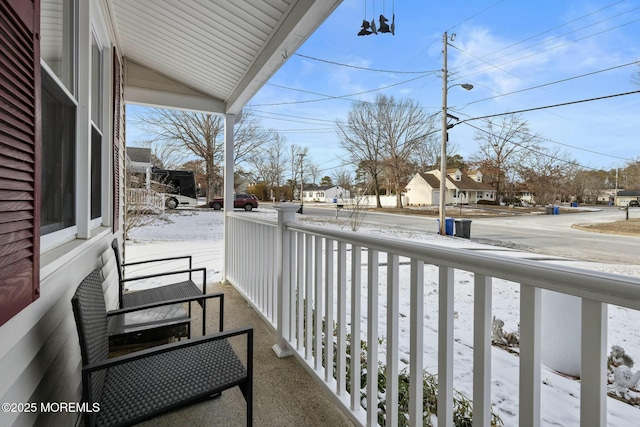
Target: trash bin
549 210
463 228
448 226
335 200
556 210
574 204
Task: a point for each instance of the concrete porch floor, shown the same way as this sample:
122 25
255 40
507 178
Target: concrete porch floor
284 394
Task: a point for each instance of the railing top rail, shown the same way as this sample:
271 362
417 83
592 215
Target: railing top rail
257 219
605 287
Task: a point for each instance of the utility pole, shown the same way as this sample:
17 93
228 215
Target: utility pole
301 182
443 145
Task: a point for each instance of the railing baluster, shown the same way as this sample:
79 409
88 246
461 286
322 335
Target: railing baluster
445 346
300 291
292 292
482 351
356 273
308 296
416 344
593 367
341 319
372 338
328 307
393 313
530 352
317 330
271 261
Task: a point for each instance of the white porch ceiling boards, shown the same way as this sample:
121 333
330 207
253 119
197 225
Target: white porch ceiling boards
211 55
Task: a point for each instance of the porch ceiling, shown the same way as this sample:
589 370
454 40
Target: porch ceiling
210 55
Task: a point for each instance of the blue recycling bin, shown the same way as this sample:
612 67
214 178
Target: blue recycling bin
574 204
448 226
556 210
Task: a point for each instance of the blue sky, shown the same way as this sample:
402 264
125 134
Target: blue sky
500 47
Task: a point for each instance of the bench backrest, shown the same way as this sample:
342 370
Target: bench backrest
116 252
110 276
91 321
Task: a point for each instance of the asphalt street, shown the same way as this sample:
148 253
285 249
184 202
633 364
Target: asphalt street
543 234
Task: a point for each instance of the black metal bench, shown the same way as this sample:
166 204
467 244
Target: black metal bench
141 385
182 289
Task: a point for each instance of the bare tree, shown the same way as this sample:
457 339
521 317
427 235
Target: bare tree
313 171
630 176
404 126
271 162
203 136
504 145
547 175
385 134
342 177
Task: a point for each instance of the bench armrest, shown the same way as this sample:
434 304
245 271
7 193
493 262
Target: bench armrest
104 364
174 301
169 273
158 260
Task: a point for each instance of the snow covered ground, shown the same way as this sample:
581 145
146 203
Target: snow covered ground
200 234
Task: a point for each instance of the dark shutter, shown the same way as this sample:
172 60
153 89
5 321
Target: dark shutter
19 155
117 115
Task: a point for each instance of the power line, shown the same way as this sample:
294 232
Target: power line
363 68
290 115
559 143
329 97
551 83
550 106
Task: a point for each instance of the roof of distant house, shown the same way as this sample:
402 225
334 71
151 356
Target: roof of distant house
629 193
139 155
318 187
465 183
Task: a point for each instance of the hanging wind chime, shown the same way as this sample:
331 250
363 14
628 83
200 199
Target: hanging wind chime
369 27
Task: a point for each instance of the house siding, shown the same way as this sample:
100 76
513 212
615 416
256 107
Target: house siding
40 356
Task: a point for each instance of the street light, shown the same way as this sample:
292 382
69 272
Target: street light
443 145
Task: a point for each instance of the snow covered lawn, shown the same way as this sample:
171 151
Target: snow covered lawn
200 234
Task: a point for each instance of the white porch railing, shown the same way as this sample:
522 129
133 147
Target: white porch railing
143 199
289 271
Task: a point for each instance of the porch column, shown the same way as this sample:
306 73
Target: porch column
286 213
229 120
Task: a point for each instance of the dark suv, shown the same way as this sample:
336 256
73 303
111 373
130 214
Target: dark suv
247 202
634 203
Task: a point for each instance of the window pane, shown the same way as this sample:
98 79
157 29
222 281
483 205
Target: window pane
58 158
96 172
96 83
57 42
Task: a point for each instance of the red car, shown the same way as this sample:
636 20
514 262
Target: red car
247 202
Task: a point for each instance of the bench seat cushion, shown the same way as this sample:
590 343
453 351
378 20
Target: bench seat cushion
161 293
144 388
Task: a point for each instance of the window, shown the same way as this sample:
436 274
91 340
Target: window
58 35
58 201
58 49
96 129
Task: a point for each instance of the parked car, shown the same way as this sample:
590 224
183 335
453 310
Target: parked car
247 202
634 203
